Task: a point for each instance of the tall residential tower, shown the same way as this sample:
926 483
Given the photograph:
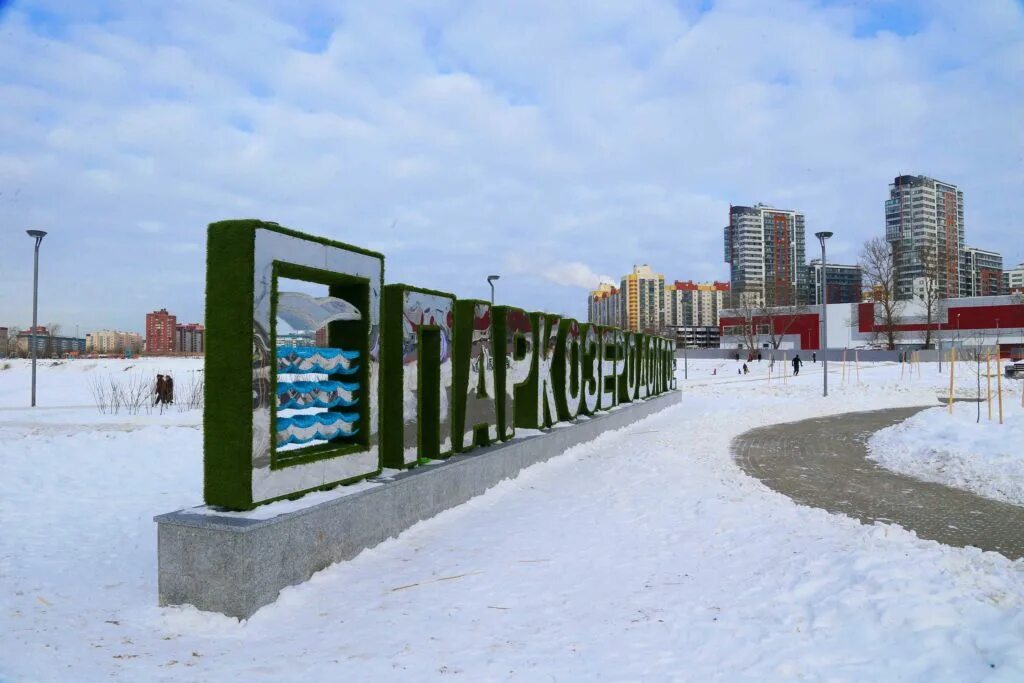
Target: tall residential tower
924 224
764 247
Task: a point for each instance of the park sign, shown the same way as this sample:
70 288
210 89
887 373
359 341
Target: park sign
318 374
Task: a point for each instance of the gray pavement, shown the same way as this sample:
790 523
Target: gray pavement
823 463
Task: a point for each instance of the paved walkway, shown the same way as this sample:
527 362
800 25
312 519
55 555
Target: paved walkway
823 463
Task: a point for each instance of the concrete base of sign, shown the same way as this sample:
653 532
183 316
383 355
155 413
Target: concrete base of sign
236 564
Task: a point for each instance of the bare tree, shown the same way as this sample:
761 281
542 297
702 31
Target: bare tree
929 260
878 266
12 341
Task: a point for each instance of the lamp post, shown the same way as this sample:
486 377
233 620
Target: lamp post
822 236
38 236
490 281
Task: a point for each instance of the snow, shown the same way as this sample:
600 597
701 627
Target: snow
958 450
645 554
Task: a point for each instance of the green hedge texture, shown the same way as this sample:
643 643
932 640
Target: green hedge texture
529 413
228 398
428 407
571 380
590 368
228 401
465 314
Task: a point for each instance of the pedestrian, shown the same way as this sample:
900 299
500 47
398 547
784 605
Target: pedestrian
796 364
160 389
814 356
169 389
758 356
737 356
746 370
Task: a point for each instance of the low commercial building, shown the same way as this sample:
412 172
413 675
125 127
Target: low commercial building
961 322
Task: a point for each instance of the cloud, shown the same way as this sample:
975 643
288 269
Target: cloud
566 274
581 137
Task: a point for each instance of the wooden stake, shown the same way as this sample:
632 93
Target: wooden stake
952 358
988 380
999 390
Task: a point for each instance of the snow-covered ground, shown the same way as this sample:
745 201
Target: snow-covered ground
958 450
646 554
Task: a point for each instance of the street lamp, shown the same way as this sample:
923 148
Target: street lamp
822 236
38 236
490 281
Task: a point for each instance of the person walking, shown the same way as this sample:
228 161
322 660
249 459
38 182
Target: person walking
814 357
758 356
159 391
746 370
796 364
168 390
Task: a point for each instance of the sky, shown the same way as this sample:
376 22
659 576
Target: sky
553 143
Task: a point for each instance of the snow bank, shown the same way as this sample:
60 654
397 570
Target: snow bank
984 457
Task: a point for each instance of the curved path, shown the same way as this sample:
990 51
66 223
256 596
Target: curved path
823 463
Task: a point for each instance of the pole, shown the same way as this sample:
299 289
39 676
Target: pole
686 361
824 319
35 317
491 283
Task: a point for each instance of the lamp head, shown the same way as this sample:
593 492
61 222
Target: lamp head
37 234
822 236
492 278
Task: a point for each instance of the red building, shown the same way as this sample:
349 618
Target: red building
160 329
968 321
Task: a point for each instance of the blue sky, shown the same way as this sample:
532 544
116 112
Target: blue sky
554 143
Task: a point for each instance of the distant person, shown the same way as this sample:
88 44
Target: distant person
737 356
160 390
796 364
169 390
814 356
746 370
758 356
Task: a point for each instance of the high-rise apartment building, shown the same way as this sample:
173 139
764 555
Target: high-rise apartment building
924 224
695 303
604 306
113 343
982 272
845 283
643 300
189 338
1013 279
765 249
160 329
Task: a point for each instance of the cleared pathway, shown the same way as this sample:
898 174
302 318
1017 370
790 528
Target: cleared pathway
823 463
